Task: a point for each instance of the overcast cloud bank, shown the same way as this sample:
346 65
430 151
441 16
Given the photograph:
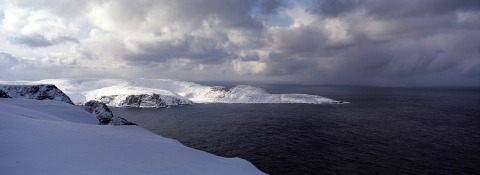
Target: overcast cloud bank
371 42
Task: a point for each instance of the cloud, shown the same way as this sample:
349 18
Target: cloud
350 42
270 7
331 42
35 28
13 67
210 32
395 9
7 60
335 7
36 40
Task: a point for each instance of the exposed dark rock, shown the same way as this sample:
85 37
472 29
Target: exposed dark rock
4 94
104 121
136 101
143 101
104 114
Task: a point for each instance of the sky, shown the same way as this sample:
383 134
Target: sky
331 42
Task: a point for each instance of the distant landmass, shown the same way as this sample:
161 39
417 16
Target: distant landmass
148 93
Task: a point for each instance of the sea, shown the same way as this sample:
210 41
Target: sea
381 130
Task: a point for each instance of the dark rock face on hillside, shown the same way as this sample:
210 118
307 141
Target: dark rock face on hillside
38 92
143 101
4 94
152 100
104 114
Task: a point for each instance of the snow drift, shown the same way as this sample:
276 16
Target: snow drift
147 92
53 137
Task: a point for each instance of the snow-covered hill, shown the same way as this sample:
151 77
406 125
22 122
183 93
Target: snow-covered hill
129 96
56 138
38 92
249 94
116 92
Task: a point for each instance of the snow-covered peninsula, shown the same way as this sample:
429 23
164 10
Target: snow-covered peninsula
162 92
43 134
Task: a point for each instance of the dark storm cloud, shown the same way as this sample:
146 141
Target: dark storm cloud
414 8
296 65
387 59
306 41
395 9
199 50
412 39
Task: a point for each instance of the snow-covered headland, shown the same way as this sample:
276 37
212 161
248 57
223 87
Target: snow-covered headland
37 91
162 92
42 133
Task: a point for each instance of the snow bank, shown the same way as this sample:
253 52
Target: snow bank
116 91
52 137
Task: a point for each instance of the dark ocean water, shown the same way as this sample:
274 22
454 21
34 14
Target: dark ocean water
381 131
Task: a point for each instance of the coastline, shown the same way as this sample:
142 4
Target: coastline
52 137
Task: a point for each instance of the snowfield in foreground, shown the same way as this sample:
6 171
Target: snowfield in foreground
147 92
52 137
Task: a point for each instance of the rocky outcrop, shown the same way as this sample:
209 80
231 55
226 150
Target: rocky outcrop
4 94
38 92
51 92
146 100
143 101
104 114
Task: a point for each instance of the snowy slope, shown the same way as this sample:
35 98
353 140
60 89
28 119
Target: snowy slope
51 137
45 110
82 90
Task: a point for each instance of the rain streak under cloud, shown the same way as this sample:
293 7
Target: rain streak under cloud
347 42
